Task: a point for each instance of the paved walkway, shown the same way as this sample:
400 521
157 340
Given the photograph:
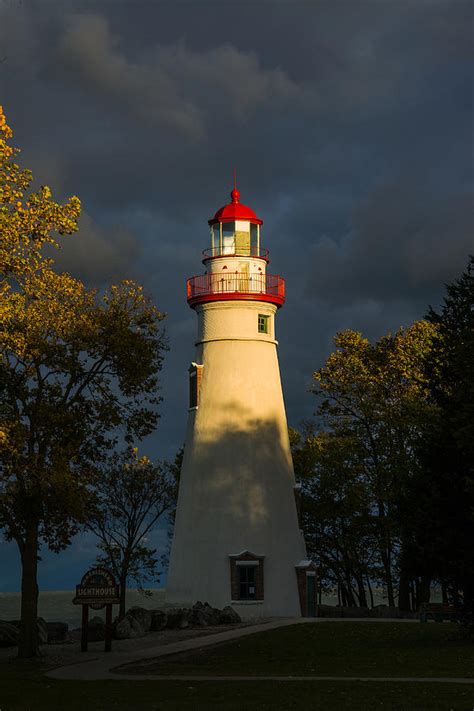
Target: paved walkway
101 667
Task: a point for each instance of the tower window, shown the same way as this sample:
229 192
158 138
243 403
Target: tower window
247 583
195 373
246 576
263 323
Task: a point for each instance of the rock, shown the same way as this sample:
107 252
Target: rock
177 619
42 631
8 634
136 630
57 631
143 617
203 615
74 635
96 629
159 620
128 628
228 616
122 628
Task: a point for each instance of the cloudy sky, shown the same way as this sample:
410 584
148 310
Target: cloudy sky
349 123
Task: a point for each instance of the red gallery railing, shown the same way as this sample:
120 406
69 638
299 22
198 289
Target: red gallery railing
234 285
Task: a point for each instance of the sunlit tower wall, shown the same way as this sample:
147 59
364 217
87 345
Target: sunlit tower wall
237 539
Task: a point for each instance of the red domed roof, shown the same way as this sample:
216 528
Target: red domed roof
235 211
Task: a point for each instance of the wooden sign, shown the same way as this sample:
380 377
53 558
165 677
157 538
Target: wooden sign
97 589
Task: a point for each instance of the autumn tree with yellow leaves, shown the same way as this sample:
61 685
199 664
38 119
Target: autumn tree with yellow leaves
78 373
375 408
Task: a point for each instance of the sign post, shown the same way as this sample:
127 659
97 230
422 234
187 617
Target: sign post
97 589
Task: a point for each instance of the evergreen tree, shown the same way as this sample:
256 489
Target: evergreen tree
445 527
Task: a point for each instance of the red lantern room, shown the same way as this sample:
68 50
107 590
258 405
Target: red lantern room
235 229
236 261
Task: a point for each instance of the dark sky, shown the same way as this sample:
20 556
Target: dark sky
349 123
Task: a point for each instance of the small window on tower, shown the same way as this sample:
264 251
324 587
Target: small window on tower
246 576
195 372
263 323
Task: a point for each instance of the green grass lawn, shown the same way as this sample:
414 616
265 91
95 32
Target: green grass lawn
24 688
335 648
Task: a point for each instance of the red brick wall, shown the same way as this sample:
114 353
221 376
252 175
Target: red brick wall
301 579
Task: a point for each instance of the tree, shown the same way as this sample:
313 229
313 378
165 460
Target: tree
375 408
444 531
77 371
174 471
131 495
335 512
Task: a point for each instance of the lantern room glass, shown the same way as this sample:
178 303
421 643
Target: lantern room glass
228 238
239 237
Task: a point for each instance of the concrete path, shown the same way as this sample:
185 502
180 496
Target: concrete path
100 666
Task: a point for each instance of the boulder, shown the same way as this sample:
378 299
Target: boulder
57 632
142 617
128 628
122 628
159 620
177 619
8 634
203 615
42 631
74 635
136 629
228 616
96 629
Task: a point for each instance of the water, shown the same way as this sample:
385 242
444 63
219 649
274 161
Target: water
56 605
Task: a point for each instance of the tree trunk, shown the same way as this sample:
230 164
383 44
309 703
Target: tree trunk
444 593
349 592
424 590
123 595
404 592
371 593
361 591
387 567
28 641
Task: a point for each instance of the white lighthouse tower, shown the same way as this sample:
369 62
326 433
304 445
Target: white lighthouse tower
237 539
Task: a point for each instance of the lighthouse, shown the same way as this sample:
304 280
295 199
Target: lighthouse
237 539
